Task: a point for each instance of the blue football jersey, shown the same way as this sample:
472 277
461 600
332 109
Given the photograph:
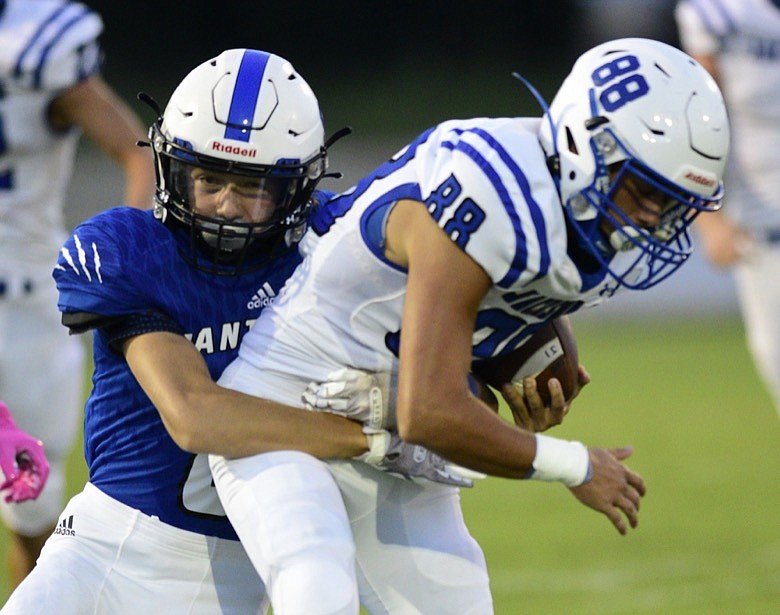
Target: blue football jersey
124 261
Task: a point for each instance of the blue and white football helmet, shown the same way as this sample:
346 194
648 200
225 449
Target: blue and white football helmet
657 112
249 113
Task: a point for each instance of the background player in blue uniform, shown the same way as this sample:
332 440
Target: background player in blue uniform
455 250
241 150
51 91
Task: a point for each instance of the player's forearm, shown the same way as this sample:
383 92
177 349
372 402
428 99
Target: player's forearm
229 423
465 431
203 417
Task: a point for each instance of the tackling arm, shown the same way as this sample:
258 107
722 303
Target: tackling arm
203 417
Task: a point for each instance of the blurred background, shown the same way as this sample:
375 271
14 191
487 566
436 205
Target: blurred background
390 69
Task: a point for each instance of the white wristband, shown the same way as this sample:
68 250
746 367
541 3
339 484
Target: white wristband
561 460
378 441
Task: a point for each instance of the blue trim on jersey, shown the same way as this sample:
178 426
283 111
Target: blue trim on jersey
245 95
373 222
520 260
324 217
28 47
47 49
536 213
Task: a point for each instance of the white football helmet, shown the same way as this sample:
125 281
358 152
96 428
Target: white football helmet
654 109
249 113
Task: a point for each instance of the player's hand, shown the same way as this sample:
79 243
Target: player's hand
528 407
613 488
22 461
389 453
366 397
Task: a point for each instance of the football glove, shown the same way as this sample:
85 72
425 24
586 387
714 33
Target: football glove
22 461
388 452
366 397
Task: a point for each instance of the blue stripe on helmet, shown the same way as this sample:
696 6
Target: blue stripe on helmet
245 95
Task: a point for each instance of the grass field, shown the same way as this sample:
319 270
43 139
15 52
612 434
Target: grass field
707 441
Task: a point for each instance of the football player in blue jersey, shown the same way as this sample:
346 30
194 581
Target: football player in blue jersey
456 250
51 91
169 293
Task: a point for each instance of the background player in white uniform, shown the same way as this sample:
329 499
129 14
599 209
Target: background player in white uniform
22 461
454 250
49 91
166 290
738 41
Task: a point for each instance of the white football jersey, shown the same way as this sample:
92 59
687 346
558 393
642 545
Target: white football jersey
486 183
744 35
46 46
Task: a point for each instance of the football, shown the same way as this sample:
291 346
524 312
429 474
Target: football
551 352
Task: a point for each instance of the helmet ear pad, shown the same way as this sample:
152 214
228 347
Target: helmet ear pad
654 109
245 113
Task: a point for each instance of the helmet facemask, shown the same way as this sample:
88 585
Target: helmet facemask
238 151
275 201
637 112
662 248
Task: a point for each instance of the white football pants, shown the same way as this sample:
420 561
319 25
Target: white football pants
106 558
411 552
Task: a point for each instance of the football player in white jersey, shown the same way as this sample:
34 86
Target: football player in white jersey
738 41
50 92
456 250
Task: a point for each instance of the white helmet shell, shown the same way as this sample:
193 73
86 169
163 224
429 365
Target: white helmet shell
664 109
222 109
249 113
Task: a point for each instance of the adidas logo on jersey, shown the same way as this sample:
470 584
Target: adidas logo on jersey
65 527
262 298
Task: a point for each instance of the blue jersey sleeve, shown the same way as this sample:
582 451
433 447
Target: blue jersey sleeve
96 270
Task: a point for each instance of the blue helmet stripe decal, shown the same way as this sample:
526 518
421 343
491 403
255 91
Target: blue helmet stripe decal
245 95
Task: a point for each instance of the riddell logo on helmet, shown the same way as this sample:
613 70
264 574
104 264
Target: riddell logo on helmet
702 180
234 149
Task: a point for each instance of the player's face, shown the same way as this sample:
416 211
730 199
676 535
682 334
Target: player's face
232 197
643 203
